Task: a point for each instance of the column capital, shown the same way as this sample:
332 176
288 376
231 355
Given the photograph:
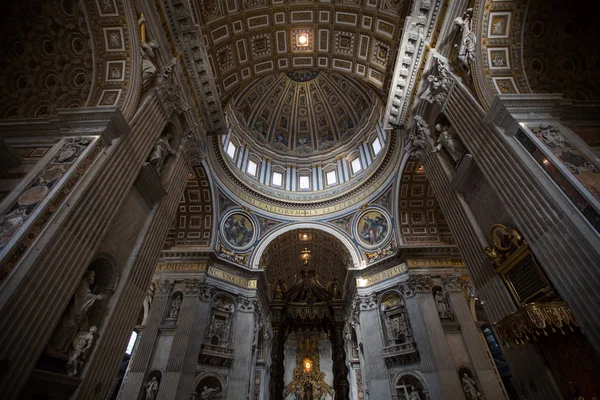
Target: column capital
165 286
247 304
207 292
192 286
415 284
454 282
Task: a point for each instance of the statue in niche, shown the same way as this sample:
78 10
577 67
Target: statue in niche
442 305
152 389
280 290
148 55
209 393
414 395
175 307
470 388
448 139
81 344
162 150
466 51
75 317
334 289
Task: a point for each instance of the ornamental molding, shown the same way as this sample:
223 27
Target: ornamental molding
418 29
188 39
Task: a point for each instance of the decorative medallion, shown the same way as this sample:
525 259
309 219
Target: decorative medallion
372 228
238 230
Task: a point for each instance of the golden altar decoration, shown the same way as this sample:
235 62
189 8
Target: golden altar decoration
308 382
534 320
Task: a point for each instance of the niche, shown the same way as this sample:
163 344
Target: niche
395 319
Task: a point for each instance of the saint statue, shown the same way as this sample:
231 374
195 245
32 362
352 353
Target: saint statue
79 347
466 50
175 306
162 150
414 395
75 317
449 140
470 388
442 305
152 389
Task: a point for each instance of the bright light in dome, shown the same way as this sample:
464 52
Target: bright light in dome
302 39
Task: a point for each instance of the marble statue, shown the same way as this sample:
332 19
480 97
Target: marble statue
209 393
442 305
79 346
75 317
162 150
449 140
152 389
175 306
414 395
470 388
466 50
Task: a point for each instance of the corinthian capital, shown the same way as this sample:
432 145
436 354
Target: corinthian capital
192 286
415 284
455 282
165 286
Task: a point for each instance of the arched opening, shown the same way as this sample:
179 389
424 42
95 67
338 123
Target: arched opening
306 268
209 388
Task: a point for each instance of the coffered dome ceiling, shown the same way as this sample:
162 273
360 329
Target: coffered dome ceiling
304 113
246 39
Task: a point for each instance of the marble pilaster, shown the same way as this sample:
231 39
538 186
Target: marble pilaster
375 372
473 340
450 387
170 386
241 369
140 360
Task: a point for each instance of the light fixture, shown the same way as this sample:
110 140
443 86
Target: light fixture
302 39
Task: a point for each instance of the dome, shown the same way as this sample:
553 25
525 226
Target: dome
304 113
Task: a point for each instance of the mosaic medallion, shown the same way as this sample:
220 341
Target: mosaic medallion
372 228
238 230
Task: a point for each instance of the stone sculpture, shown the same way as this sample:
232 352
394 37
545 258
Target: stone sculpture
470 389
439 81
75 317
442 305
449 140
414 395
418 139
466 50
79 347
209 393
175 306
152 389
162 150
